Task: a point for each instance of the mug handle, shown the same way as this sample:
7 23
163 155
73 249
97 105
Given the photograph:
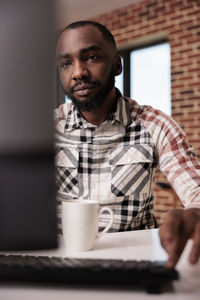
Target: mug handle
105 208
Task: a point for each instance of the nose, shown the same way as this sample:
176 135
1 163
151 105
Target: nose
80 71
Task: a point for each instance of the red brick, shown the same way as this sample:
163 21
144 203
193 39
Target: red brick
194 126
185 50
194 113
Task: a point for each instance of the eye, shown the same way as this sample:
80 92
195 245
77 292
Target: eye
91 58
66 64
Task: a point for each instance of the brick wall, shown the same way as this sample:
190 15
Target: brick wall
180 20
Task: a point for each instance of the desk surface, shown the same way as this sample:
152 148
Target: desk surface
126 245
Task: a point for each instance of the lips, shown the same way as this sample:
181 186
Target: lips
84 89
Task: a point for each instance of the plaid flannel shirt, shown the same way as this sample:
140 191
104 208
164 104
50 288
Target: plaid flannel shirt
115 162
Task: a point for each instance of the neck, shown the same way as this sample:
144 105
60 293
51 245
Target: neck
100 114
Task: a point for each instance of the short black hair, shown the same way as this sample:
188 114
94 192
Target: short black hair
105 32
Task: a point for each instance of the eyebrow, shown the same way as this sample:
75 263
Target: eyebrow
82 51
93 47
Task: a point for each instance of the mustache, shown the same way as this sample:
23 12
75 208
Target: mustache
79 82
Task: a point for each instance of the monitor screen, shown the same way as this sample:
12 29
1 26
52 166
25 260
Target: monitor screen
27 95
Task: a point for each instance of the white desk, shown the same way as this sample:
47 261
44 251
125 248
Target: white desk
127 245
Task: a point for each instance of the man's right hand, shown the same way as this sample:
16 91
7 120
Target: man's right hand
180 226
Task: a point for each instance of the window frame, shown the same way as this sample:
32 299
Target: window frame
126 55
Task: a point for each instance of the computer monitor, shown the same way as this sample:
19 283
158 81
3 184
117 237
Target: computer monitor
27 95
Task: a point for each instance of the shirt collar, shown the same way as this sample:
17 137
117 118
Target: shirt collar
121 114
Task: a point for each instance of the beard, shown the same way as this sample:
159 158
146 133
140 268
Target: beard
97 100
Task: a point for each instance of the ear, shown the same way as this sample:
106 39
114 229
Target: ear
118 65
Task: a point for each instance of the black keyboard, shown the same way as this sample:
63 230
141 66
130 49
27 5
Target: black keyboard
92 272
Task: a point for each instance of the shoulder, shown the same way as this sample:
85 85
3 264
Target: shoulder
60 116
154 119
163 129
61 112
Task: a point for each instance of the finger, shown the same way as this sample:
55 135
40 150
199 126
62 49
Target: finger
195 252
170 236
171 226
174 252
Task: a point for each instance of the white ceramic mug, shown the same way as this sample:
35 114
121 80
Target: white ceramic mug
80 223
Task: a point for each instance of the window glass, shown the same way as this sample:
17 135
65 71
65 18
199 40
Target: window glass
150 76
67 99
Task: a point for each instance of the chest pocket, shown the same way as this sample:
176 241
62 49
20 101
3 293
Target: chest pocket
131 170
66 161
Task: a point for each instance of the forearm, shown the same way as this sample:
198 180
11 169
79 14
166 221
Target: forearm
183 172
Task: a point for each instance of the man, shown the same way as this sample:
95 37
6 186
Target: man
108 146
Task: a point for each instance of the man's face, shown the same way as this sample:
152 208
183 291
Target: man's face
86 64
